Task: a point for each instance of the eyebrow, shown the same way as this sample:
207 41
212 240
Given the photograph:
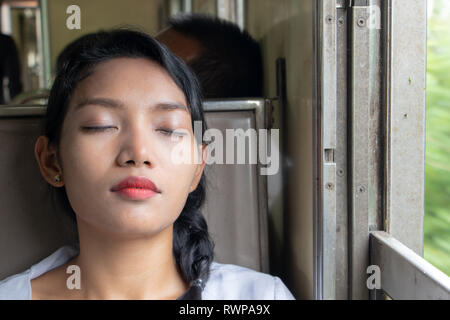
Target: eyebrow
111 103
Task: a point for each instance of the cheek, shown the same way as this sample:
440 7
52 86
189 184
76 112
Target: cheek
81 158
180 162
178 178
182 152
85 166
176 196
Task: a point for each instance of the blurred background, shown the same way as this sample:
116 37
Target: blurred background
437 158
32 25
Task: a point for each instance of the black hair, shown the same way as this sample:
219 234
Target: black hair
192 245
231 66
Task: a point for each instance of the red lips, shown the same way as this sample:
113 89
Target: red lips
136 183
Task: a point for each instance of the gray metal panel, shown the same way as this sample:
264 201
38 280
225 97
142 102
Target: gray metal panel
328 52
329 78
329 231
340 158
359 150
405 154
332 236
404 274
238 218
231 207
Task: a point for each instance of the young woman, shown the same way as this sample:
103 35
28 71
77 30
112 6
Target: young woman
120 105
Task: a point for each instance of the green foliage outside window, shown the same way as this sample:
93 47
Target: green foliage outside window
437 158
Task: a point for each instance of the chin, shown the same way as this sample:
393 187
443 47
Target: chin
139 225
129 224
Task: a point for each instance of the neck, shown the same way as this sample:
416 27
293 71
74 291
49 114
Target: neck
119 267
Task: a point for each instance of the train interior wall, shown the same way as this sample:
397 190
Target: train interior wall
284 29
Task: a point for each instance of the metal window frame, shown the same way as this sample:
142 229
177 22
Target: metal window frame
324 215
404 274
405 131
383 90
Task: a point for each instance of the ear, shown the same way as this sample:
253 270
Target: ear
47 159
200 167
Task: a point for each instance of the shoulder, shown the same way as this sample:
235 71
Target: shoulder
232 282
16 287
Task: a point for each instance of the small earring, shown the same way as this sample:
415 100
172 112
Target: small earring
57 178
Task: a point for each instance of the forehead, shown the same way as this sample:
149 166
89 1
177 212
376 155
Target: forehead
130 80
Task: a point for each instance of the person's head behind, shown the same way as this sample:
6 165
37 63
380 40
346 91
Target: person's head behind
226 60
115 110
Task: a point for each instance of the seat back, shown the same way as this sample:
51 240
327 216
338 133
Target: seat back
30 228
236 196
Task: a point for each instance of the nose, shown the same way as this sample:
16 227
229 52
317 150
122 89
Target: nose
135 149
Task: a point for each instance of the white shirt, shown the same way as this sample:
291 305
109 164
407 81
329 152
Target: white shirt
226 281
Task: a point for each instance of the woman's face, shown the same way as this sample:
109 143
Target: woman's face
137 104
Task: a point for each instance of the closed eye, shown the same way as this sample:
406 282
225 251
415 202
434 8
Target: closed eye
95 129
166 132
169 132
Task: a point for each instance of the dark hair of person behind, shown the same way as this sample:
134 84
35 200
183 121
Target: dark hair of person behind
231 66
192 245
9 67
